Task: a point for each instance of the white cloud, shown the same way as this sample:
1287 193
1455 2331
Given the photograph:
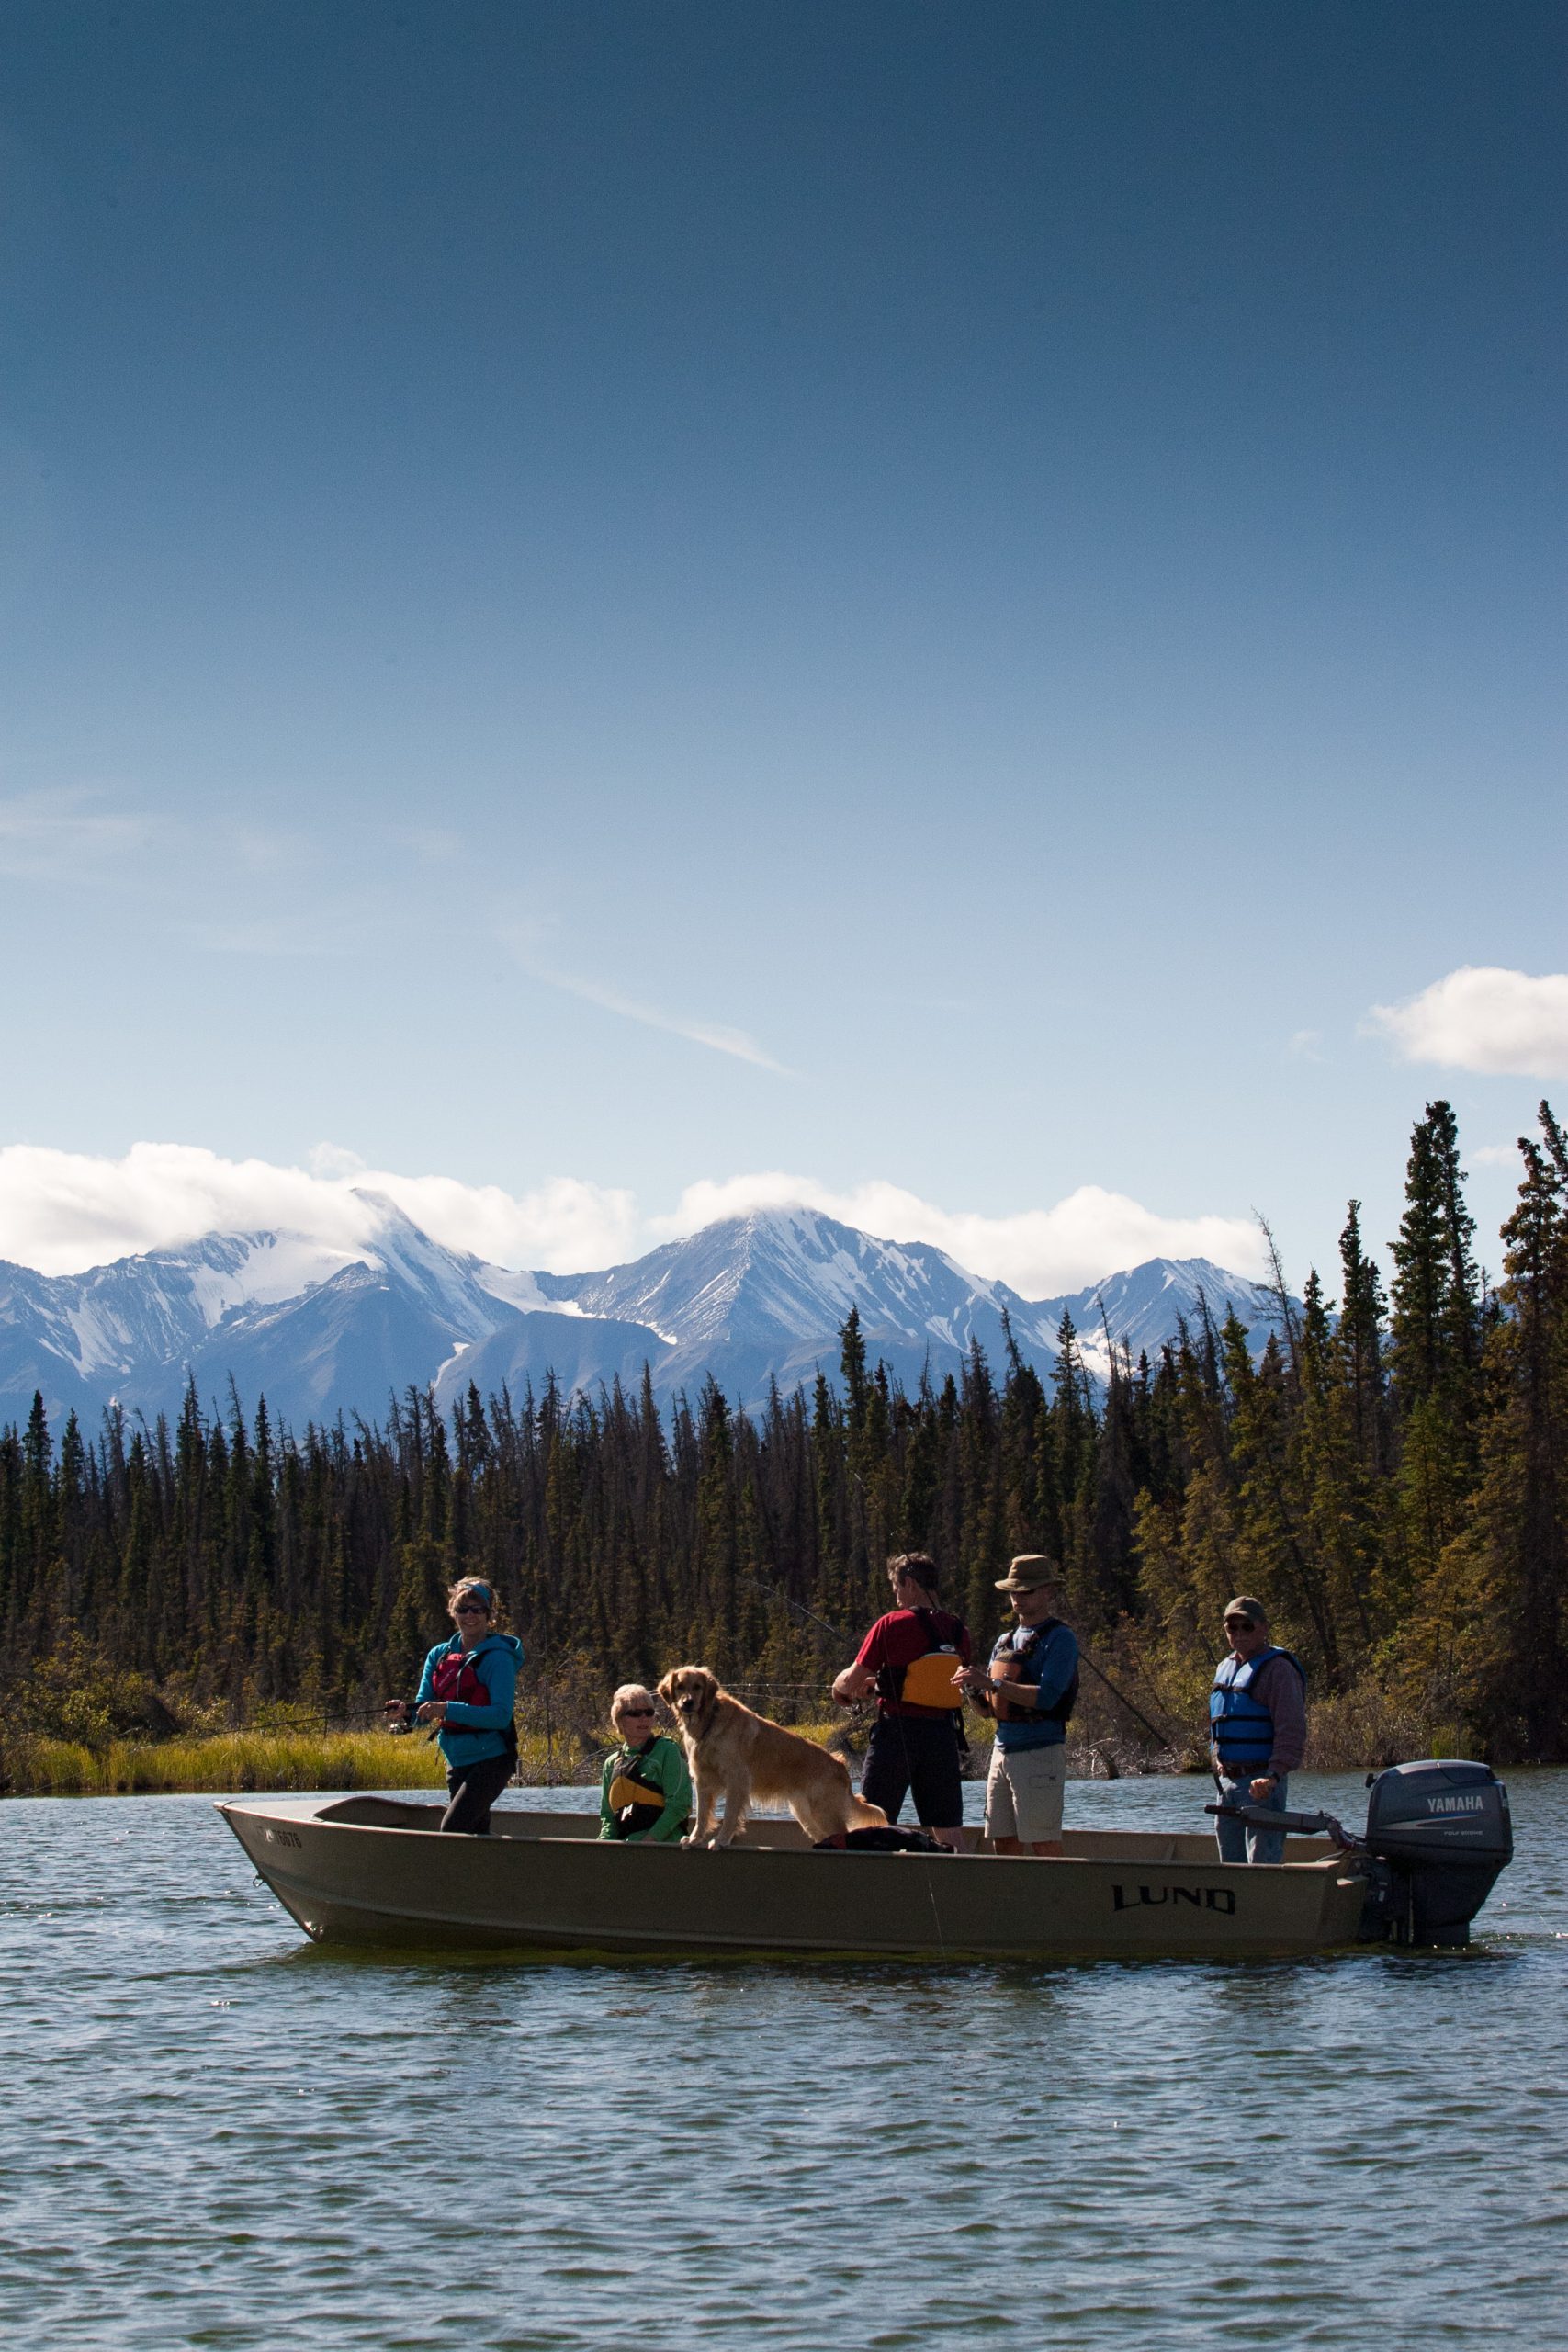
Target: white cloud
522 942
47 835
721 1040
1038 1251
334 1159
1482 1017
61 1211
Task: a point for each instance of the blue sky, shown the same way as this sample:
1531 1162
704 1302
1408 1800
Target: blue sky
629 597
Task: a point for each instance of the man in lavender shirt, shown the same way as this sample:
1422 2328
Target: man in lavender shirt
1257 1730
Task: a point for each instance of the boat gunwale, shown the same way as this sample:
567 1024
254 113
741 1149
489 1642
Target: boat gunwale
296 1807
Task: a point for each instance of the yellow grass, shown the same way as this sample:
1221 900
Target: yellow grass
241 1762
233 1761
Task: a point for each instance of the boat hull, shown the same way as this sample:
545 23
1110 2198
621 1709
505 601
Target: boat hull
368 1870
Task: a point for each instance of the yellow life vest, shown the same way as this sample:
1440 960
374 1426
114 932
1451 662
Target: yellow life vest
624 1792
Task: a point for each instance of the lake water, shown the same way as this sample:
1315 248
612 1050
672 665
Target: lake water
219 2135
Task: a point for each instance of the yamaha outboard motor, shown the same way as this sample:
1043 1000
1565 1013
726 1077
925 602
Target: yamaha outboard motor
1437 1835
1442 1828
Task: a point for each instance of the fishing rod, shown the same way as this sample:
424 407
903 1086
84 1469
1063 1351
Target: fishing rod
854 1721
316 1720
1117 1693
774 1591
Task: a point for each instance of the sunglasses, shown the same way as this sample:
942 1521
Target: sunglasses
470 1608
1246 1623
636 1711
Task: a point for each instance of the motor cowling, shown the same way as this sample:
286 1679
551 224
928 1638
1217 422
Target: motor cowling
1443 1829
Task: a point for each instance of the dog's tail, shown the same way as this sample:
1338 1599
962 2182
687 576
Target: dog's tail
865 1816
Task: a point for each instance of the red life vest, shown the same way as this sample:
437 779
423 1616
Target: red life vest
456 1677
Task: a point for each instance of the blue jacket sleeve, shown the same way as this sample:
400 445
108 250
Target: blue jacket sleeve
1057 1661
427 1677
498 1671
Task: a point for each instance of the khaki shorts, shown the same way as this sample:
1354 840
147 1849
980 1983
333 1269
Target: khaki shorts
1024 1789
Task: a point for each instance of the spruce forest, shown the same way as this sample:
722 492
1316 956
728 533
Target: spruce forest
1389 1477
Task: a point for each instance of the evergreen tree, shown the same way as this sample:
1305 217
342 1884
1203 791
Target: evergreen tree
1392 1480
1492 1635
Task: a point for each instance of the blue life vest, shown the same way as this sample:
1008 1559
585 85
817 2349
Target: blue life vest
1240 1726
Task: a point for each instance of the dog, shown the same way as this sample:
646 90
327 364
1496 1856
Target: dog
740 1756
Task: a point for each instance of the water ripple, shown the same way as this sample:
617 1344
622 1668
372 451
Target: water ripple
233 2139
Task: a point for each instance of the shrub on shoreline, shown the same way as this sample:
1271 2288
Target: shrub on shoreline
1349 1734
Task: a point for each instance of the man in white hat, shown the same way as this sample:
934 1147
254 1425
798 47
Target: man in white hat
1030 1688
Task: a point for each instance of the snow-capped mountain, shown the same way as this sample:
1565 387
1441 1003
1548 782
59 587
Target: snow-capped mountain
765 1294
1145 1305
749 1300
81 1338
313 1328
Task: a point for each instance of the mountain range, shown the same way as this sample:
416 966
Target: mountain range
749 1300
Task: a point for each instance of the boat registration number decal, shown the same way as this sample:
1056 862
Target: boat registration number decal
282 1838
1201 1898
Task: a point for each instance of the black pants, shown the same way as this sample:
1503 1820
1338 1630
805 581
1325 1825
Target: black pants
918 1753
473 1789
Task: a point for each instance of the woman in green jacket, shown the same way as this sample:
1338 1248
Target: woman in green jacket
646 1795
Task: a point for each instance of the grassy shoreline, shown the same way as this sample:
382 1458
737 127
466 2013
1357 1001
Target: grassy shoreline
238 1762
228 1762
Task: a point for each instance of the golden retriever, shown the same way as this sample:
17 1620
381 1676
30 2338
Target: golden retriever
740 1755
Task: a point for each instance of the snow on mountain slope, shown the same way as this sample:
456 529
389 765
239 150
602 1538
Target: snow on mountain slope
748 1301
762 1297
516 1288
579 1350
348 1345
786 1271
111 1318
1145 1305
316 1327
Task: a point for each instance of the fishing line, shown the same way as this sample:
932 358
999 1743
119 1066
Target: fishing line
1117 1693
317 1720
775 1591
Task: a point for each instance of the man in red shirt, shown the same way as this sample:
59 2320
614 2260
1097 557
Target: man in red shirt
917 1648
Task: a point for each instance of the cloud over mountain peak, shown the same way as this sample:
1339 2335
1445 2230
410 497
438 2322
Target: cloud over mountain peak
751 1301
63 1212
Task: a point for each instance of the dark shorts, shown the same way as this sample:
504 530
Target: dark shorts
473 1789
908 1754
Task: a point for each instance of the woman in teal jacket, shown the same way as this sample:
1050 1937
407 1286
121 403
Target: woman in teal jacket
467 1689
645 1797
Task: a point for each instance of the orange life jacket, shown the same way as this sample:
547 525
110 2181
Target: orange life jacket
926 1681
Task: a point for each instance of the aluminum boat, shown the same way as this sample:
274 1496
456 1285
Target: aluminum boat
374 1870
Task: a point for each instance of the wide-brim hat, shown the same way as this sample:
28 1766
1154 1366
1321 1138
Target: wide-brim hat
1029 1572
